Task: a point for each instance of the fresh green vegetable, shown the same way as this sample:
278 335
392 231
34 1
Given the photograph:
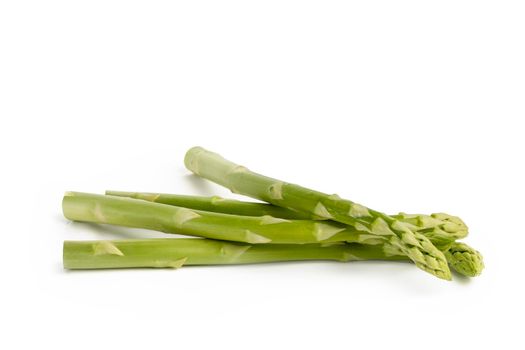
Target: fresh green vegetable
131 212
144 214
175 253
171 219
441 228
216 204
243 181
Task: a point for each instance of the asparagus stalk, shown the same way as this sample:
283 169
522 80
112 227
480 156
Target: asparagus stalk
175 253
171 219
243 181
216 204
136 213
442 229
131 212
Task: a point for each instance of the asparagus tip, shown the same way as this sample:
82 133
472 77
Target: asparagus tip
465 259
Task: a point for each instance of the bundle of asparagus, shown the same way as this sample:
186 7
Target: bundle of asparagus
296 223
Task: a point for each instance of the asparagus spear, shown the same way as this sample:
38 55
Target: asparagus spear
171 219
243 181
131 212
441 228
175 253
216 204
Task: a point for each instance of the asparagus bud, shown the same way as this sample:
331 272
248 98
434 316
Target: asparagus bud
465 259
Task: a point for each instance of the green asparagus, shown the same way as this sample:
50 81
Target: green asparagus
105 209
216 204
131 212
171 219
243 181
174 253
442 229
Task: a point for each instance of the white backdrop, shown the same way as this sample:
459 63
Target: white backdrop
409 106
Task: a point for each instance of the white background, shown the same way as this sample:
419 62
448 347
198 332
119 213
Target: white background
409 106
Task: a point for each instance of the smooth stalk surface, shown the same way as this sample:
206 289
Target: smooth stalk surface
174 253
216 204
193 251
171 219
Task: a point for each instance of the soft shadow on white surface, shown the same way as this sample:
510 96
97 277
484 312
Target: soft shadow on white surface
401 276
198 185
103 231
